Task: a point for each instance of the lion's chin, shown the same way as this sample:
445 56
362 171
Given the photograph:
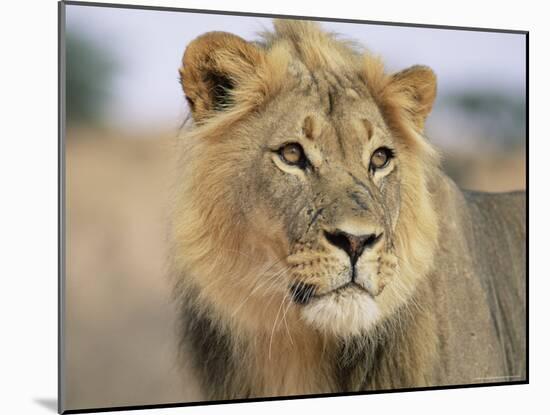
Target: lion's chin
343 313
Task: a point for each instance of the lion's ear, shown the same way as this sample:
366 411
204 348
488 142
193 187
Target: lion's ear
414 90
213 65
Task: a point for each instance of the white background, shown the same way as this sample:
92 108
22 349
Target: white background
28 186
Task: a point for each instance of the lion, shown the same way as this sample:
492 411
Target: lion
317 245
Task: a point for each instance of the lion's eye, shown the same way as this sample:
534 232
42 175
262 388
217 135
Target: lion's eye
380 158
293 154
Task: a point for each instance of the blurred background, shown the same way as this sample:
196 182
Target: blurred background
124 107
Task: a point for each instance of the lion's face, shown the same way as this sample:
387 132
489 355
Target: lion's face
311 181
327 176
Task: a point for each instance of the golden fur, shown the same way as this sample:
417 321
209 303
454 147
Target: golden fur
235 251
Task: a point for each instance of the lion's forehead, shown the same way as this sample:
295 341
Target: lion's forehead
338 103
336 89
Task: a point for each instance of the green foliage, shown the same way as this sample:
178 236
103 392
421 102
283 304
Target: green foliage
496 113
89 71
492 103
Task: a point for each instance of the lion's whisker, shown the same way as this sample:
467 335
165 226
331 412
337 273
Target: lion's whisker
290 302
273 329
270 280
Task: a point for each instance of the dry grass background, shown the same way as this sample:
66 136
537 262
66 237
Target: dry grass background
120 321
120 345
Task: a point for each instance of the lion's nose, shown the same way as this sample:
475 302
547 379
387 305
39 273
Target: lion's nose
353 245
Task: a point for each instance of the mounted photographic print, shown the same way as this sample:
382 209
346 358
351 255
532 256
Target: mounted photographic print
261 206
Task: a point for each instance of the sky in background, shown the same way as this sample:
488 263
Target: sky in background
147 47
